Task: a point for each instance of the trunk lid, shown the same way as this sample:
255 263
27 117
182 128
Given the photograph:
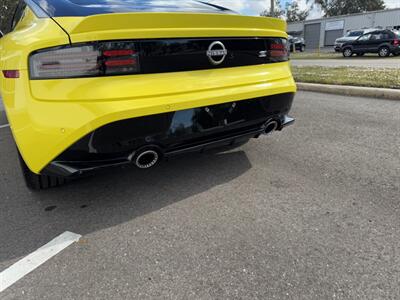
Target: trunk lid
168 25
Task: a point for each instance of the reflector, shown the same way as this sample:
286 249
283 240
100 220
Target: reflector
11 73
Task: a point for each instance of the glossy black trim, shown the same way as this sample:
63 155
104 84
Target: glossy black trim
187 54
175 55
173 133
66 169
83 8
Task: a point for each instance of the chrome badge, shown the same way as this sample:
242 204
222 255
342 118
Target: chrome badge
217 53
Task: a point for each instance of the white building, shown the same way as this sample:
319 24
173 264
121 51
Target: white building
324 32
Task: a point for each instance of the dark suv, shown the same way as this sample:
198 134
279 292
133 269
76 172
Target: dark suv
383 42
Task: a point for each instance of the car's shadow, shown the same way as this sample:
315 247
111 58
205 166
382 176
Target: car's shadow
30 219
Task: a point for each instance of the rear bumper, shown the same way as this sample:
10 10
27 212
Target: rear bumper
171 134
47 117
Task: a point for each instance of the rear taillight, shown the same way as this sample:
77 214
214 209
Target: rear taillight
278 50
396 42
85 60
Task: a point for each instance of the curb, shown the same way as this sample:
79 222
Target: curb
388 94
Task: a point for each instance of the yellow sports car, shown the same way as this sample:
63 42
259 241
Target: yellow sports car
90 84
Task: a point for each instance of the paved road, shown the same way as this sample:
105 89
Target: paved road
351 62
311 213
3 119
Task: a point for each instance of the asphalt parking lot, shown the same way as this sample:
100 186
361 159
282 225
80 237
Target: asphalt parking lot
309 213
3 119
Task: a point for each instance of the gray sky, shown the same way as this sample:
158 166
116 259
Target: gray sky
254 7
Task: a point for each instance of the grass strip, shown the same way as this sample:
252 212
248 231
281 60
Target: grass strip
368 77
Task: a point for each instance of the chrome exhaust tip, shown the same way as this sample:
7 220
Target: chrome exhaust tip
271 126
146 159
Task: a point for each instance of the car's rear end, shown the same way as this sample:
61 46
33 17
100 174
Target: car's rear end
396 43
113 82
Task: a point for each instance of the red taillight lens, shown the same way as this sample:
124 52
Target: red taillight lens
278 47
396 42
118 52
120 62
278 50
11 73
119 58
86 60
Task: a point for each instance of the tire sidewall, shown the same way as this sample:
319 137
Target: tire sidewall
387 53
348 51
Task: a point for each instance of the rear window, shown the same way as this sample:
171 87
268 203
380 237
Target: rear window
65 8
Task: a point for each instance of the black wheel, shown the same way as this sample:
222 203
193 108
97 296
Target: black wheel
302 48
384 52
39 182
360 54
347 52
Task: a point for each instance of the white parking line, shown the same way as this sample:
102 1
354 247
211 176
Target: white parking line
29 263
4 126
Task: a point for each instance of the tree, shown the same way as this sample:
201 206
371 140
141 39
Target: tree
7 8
277 13
345 7
294 13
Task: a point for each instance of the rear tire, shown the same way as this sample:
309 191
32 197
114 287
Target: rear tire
39 182
302 48
384 52
347 52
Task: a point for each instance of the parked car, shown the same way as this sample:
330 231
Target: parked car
297 43
351 36
87 86
383 42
